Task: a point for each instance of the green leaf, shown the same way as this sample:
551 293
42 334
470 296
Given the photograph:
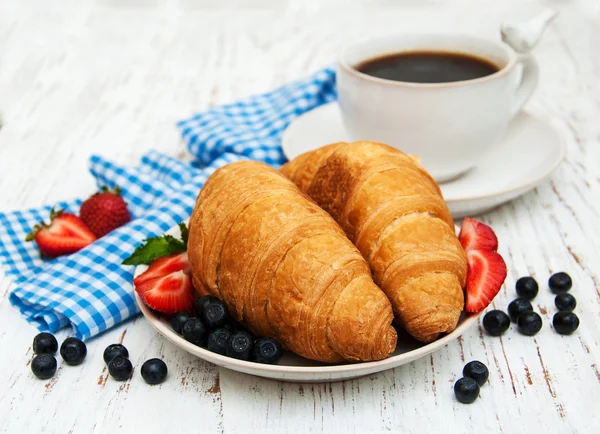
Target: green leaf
154 248
184 233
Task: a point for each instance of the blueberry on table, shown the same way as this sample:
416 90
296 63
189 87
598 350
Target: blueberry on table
560 282
477 371
217 340
43 366
565 302
239 345
496 322
45 343
178 320
565 323
113 351
195 332
527 287
267 350
529 323
201 302
517 307
120 368
466 390
154 371
73 351
214 314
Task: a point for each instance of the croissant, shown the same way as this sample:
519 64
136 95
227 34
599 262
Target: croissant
394 213
284 268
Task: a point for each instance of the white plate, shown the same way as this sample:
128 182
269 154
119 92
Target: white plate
295 368
529 153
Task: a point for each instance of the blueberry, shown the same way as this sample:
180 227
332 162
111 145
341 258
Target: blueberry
527 287
466 390
45 343
529 323
43 366
565 323
73 351
178 320
239 345
267 350
195 332
201 302
560 282
477 371
233 326
517 307
154 371
214 314
217 340
496 322
565 302
120 368
115 350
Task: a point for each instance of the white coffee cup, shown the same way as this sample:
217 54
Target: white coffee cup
450 126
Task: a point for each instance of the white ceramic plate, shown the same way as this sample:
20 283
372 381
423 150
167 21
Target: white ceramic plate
295 368
528 155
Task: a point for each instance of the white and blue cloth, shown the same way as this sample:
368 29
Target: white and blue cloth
90 290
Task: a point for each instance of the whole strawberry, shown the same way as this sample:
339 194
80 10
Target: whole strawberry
105 211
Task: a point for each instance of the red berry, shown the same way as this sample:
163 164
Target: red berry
163 266
475 235
105 211
168 294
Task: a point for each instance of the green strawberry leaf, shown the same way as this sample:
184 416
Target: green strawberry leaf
157 247
184 233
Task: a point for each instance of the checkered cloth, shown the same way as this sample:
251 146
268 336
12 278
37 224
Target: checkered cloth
90 290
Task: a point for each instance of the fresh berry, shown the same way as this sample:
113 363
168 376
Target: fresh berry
496 322
217 340
43 366
565 302
154 371
178 320
201 303
527 287
65 234
163 266
120 368
529 323
560 282
169 294
485 275
517 307
565 323
475 235
195 332
267 350
73 351
105 211
113 351
214 314
45 343
477 371
466 390
239 345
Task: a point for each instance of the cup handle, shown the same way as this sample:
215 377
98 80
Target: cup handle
528 83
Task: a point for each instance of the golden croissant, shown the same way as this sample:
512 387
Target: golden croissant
394 213
284 268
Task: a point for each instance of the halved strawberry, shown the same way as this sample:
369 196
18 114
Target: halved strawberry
168 294
475 235
163 266
485 276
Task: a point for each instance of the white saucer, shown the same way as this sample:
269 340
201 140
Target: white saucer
529 154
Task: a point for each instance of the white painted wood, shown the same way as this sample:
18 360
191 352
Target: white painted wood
113 77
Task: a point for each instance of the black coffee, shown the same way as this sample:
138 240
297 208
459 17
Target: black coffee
427 67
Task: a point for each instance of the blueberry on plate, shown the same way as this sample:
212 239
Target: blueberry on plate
195 332
178 320
477 371
560 282
73 351
45 343
113 351
154 371
565 323
527 287
201 302
120 368
517 307
466 390
529 323
267 350
43 366
239 345
496 322
214 314
565 302
217 340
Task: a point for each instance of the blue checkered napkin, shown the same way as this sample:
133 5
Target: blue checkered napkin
253 126
90 290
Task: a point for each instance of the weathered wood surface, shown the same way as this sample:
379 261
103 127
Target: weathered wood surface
113 77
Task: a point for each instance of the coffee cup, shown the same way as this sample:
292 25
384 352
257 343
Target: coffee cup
449 125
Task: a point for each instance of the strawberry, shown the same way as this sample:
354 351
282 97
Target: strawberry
475 235
65 234
168 294
485 275
163 266
105 211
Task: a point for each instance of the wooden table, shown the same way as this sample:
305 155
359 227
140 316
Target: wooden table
112 77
